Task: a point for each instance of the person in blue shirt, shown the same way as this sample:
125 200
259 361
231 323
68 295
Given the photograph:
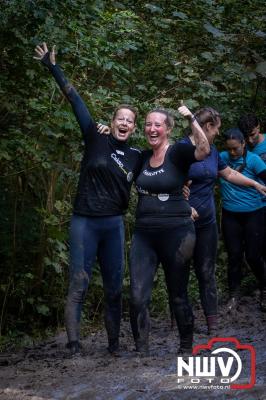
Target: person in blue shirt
250 126
203 175
242 213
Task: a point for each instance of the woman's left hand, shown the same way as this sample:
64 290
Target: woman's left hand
186 190
103 129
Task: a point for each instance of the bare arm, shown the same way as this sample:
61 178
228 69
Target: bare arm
201 141
237 178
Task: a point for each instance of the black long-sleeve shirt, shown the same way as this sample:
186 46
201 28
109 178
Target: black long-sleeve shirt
108 167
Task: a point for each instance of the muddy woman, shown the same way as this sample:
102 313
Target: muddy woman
108 168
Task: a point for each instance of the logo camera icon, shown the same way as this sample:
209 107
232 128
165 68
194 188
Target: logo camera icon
224 364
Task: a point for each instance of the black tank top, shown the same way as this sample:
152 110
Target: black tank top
161 202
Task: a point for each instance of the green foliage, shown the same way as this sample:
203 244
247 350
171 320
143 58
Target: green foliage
148 54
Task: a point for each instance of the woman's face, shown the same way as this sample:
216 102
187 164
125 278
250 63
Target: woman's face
211 130
235 148
156 130
123 125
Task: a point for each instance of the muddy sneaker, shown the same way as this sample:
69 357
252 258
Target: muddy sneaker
142 348
184 351
232 304
113 347
213 332
263 300
74 347
200 329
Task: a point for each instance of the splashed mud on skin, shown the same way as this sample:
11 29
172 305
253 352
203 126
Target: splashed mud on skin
47 372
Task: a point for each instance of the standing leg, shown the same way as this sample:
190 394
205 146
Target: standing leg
176 249
143 265
204 264
111 260
83 247
254 232
264 235
233 234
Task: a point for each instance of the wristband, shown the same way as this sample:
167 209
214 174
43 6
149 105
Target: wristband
193 118
46 60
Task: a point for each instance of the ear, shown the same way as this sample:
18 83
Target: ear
169 131
208 126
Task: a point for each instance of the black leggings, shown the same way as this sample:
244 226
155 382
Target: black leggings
204 259
243 234
264 240
172 247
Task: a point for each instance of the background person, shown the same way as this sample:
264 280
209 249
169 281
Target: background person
203 175
250 126
242 213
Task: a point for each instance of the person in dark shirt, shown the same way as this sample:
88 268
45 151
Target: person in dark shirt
108 168
164 231
203 175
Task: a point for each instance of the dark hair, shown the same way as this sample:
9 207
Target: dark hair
207 114
169 119
128 107
236 134
247 123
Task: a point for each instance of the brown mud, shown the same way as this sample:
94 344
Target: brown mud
47 372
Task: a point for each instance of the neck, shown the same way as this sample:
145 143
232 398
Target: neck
161 150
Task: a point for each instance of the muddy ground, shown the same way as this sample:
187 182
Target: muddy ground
46 371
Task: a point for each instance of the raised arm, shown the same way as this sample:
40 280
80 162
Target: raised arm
237 178
78 105
201 141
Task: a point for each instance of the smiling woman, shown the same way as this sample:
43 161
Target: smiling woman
164 231
123 123
107 171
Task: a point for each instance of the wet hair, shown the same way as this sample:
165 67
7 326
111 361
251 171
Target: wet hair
236 134
247 123
169 119
207 114
127 107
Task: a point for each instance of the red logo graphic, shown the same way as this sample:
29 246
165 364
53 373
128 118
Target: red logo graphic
238 346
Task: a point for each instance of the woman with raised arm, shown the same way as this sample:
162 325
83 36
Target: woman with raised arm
108 168
203 176
164 231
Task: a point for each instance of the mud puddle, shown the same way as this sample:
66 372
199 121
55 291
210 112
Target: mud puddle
47 372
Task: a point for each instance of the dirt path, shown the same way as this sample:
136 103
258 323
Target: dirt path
46 371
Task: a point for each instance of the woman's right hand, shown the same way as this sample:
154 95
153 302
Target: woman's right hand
42 50
103 129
